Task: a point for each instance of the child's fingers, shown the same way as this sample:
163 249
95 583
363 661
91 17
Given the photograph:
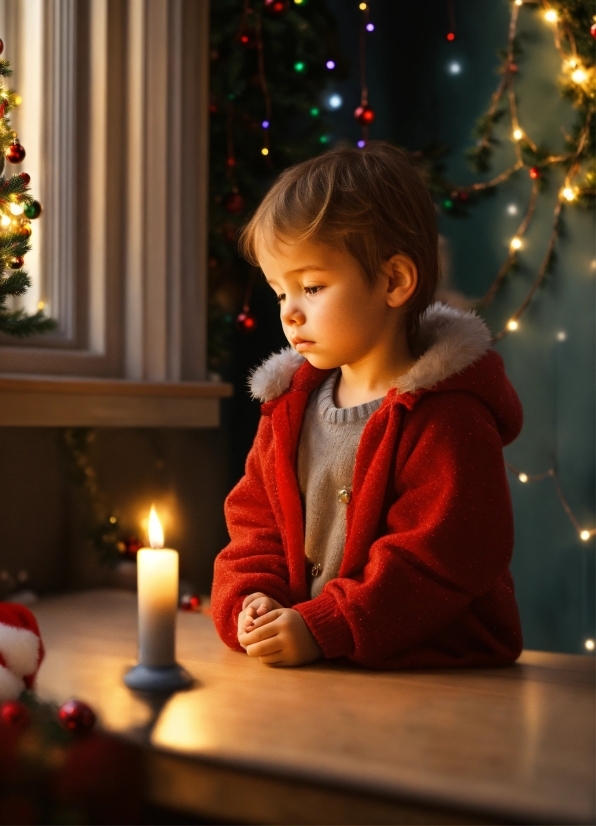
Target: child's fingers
259 633
270 616
265 648
263 608
251 598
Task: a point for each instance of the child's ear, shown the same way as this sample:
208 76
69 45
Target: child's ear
402 279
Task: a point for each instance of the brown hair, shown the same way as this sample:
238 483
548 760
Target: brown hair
371 202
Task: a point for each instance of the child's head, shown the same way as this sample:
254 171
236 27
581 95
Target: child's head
369 204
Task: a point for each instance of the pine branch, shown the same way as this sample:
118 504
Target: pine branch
14 185
21 325
5 70
17 283
12 246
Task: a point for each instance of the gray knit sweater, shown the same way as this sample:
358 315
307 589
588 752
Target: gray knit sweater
326 452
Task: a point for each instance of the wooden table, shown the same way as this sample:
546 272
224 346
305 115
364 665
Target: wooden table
328 743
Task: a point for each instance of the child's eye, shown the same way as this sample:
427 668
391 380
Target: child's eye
280 298
312 290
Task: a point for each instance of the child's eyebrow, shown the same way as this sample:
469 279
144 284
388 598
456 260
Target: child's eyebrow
307 268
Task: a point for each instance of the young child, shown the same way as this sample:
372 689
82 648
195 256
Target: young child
374 521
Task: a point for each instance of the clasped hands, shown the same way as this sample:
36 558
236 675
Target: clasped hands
274 634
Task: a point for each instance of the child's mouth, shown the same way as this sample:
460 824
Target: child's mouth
301 344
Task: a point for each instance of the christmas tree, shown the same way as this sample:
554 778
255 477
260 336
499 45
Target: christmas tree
17 209
271 61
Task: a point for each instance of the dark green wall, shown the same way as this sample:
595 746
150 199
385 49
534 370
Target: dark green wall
417 100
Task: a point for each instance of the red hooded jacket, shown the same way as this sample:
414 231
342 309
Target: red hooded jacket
424 580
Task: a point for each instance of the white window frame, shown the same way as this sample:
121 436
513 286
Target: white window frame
117 143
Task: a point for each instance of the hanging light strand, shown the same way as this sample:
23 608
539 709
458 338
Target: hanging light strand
584 533
264 89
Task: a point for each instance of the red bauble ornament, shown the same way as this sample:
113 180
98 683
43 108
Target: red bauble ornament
364 115
16 263
24 231
15 152
450 36
190 602
25 178
229 232
534 173
14 713
276 7
234 203
1 46
77 716
132 545
592 30
246 322
247 39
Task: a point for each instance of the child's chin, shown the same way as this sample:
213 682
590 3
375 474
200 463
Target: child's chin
320 362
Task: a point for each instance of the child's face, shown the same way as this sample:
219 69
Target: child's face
329 313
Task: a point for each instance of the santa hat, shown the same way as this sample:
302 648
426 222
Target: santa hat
21 650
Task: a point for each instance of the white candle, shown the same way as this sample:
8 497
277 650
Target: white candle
157 582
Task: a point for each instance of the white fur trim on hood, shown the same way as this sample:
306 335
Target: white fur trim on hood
11 686
450 340
19 648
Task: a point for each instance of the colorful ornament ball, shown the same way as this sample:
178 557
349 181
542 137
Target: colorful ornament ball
25 178
364 115
246 322
451 36
247 38
276 7
234 203
15 152
1 46
76 716
33 210
14 713
132 545
190 602
16 263
592 31
534 173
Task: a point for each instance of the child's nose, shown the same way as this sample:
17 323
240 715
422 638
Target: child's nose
292 314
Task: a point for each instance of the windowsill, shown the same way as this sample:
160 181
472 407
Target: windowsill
47 401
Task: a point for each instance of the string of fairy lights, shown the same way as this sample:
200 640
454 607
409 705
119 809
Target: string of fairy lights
578 83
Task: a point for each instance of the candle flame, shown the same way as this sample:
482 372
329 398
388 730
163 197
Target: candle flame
155 529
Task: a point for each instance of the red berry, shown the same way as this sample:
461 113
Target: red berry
15 713
534 173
